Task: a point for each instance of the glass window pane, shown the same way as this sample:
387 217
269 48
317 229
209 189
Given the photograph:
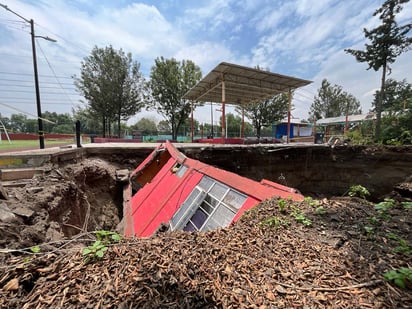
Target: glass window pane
189 227
218 190
185 211
234 199
205 183
211 200
206 207
199 218
223 216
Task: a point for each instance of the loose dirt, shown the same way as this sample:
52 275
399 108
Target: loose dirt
328 253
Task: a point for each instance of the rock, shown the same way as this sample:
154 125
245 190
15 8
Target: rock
122 175
34 190
3 193
6 215
24 212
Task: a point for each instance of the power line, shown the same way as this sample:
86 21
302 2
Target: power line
31 86
54 74
40 75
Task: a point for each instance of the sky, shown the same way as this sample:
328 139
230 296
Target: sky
300 38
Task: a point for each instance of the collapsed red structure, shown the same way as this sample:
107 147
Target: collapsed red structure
171 190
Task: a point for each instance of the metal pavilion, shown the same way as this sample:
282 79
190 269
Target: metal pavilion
240 85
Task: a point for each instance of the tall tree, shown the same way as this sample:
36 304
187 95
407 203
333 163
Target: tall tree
398 96
112 84
332 101
266 112
387 42
169 81
146 125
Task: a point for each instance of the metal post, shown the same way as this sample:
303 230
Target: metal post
289 111
78 142
223 109
36 84
192 121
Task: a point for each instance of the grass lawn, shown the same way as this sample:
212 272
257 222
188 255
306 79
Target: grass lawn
17 144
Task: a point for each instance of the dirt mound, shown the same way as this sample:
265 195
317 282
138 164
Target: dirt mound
314 254
60 203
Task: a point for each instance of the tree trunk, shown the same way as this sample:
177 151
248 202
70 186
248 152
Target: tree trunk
104 126
118 127
379 105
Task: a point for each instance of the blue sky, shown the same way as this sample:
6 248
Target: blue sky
300 38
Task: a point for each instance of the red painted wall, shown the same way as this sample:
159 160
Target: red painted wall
162 198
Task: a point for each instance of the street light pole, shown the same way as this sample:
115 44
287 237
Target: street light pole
36 84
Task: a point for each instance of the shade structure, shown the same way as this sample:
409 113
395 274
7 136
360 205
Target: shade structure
240 85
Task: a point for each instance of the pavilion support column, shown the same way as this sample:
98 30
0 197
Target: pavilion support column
289 113
223 109
192 121
243 123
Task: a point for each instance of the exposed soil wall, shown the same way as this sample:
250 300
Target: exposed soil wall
316 170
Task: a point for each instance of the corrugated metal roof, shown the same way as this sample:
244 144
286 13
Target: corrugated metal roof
242 85
342 119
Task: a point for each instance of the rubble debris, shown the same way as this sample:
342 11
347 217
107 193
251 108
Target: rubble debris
252 264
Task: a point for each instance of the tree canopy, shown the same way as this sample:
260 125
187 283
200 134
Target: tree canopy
112 85
332 101
398 96
266 112
387 42
146 125
169 81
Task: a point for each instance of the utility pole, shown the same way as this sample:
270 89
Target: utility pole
36 75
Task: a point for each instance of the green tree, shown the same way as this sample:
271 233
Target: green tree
18 122
112 85
164 127
267 112
169 81
146 125
233 125
332 101
387 42
89 120
398 96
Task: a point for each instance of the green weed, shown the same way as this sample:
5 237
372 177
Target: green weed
274 222
400 276
100 246
358 190
403 247
407 205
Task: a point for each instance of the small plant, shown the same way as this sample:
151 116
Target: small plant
358 190
35 249
300 217
100 246
392 236
282 204
407 205
320 211
275 222
311 202
401 277
96 250
369 230
383 207
373 220
403 247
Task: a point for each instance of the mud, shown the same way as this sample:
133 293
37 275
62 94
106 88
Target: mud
60 203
